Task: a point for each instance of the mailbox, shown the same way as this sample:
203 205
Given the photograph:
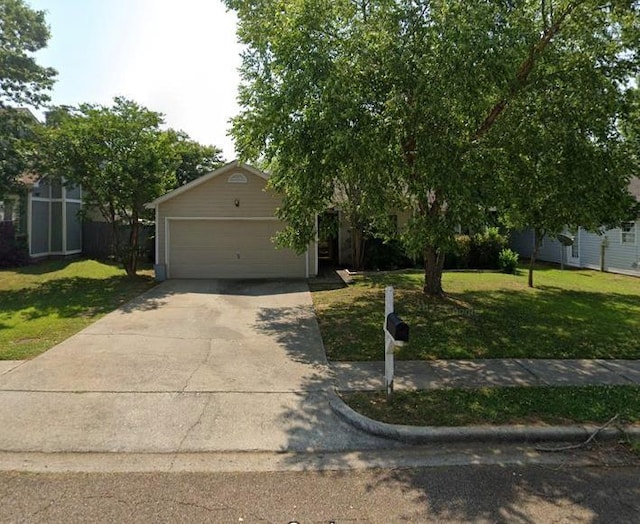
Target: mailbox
398 329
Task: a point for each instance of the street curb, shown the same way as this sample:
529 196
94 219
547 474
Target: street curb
467 434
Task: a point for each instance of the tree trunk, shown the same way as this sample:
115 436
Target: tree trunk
537 240
433 266
131 265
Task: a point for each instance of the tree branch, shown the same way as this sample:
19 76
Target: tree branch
525 69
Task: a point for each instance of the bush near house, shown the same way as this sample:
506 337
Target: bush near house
381 255
13 248
508 261
477 251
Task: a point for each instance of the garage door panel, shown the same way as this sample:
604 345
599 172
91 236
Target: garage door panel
229 249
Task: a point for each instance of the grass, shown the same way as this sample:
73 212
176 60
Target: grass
43 304
570 314
532 405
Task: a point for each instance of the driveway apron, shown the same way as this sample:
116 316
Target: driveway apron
190 366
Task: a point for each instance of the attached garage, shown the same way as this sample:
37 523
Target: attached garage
222 226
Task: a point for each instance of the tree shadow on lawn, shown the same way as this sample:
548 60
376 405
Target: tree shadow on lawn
74 297
505 493
543 323
45 266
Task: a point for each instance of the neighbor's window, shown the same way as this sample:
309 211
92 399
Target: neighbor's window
628 233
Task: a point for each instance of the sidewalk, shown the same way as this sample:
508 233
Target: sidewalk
418 374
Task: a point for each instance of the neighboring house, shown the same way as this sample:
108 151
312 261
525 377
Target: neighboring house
615 251
47 214
221 225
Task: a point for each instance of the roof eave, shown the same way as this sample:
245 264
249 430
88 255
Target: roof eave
201 180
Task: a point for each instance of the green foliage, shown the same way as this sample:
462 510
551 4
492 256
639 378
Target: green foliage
23 32
441 109
508 261
458 257
17 128
192 158
478 251
485 249
381 255
14 251
118 155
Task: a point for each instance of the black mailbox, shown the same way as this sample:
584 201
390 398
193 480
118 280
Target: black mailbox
398 329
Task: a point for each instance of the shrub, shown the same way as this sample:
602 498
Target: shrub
508 261
383 255
14 251
485 249
458 258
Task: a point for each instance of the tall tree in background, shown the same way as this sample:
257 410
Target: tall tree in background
567 163
631 132
423 87
23 81
17 133
193 159
120 157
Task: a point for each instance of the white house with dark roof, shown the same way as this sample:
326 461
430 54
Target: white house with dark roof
615 250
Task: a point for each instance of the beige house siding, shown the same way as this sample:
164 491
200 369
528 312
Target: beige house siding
227 225
216 198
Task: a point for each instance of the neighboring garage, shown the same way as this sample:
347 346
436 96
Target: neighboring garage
221 226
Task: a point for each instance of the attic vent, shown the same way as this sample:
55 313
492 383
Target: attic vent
237 178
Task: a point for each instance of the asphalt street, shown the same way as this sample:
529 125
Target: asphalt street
514 494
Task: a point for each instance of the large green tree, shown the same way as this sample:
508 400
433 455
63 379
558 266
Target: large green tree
120 157
416 90
23 31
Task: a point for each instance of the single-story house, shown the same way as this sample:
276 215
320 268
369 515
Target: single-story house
46 213
221 225
615 250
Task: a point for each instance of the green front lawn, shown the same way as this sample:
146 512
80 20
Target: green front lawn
534 405
43 304
570 314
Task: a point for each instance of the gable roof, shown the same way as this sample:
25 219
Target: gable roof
205 178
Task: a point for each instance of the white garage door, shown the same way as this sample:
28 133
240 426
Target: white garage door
230 249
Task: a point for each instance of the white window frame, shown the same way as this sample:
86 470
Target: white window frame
628 233
63 200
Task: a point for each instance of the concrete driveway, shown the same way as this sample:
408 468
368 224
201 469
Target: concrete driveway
190 366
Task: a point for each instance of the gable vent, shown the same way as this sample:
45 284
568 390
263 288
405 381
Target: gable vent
237 178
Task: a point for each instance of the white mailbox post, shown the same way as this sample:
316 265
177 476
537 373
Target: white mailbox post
390 341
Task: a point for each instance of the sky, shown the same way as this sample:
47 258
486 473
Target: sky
177 57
